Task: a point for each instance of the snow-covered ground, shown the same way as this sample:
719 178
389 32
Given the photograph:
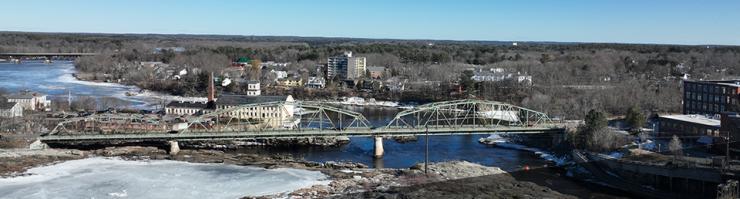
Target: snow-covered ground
117 178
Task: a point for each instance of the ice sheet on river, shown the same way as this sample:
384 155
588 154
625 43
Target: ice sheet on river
116 178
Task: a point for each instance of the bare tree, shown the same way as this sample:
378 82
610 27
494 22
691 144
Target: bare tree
604 140
84 103
728 190
256 70
675 146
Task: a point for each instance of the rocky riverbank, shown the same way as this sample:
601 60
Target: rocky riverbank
349 180
273 142
13 162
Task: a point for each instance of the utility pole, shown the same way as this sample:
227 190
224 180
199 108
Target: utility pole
426 152
727 149
69 100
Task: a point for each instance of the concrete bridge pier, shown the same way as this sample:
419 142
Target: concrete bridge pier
378 147
174 147
38 145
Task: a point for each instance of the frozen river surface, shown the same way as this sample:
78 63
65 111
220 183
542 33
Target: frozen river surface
57 81
116 178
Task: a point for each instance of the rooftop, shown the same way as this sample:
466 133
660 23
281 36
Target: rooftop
7 105
181 104
697 119
733 83
25 95
376 68
243 99
244 60
246 81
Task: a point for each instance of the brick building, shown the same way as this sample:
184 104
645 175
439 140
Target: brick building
711 97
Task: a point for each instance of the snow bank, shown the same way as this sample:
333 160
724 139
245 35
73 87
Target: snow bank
358 101
68 78
116 178
493 139
648 145
616 155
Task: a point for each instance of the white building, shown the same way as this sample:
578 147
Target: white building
356 67
270 116
279 74
253 88
185 107
31 101
489 77
498 74
10 109
226 82
316 82
274 64
524 79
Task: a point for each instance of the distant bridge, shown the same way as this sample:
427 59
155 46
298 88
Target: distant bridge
313 119
47 54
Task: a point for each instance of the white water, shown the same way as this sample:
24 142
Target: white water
116 178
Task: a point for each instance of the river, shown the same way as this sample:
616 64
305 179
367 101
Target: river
56 80
405 155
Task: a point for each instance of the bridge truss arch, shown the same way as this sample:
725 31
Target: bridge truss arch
110 124
277 116
469 113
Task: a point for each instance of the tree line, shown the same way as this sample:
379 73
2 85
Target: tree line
569 79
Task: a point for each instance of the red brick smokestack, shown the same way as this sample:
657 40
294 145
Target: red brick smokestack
211 88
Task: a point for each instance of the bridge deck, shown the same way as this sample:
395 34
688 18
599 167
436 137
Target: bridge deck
288 133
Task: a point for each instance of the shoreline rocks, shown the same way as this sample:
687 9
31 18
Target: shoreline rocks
309 141
405 138
14 162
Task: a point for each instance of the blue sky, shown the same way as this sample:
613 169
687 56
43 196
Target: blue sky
622 21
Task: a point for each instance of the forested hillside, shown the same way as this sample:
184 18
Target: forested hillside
569 79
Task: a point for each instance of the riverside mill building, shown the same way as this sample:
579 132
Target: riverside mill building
272 116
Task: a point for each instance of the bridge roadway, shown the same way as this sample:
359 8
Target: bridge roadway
296 133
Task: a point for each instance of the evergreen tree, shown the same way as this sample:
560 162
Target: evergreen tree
635 119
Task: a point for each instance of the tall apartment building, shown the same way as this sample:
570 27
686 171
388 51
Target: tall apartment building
711 97
346 66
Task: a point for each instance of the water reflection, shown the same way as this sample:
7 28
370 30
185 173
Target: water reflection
404 155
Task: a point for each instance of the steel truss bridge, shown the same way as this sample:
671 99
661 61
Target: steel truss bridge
305 119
